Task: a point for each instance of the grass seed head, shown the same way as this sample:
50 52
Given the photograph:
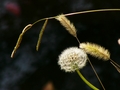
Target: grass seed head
96 50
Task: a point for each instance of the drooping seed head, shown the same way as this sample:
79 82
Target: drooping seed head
67 24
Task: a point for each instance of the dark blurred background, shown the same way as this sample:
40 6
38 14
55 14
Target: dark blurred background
32 70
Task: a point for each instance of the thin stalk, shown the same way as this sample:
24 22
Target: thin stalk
40 34
115 65
87 82
96 74
81 12
77 39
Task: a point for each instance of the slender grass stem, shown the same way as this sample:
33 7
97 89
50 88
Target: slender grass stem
40 34
87 82
96 74
77 39
81 12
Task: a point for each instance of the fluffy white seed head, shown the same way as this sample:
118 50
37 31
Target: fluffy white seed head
72 59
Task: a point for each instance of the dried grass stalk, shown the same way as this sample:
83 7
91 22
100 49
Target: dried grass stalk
20 39
40 35
27 28
96 50
116 66
67 24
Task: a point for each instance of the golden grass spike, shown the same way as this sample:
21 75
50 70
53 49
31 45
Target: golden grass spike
96 50
20 39
41 33
67 24
99 52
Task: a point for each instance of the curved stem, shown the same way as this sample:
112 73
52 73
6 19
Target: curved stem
69 14
87 82
81 12
92 11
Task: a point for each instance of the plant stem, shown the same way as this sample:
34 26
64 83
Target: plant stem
87 82
76 13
